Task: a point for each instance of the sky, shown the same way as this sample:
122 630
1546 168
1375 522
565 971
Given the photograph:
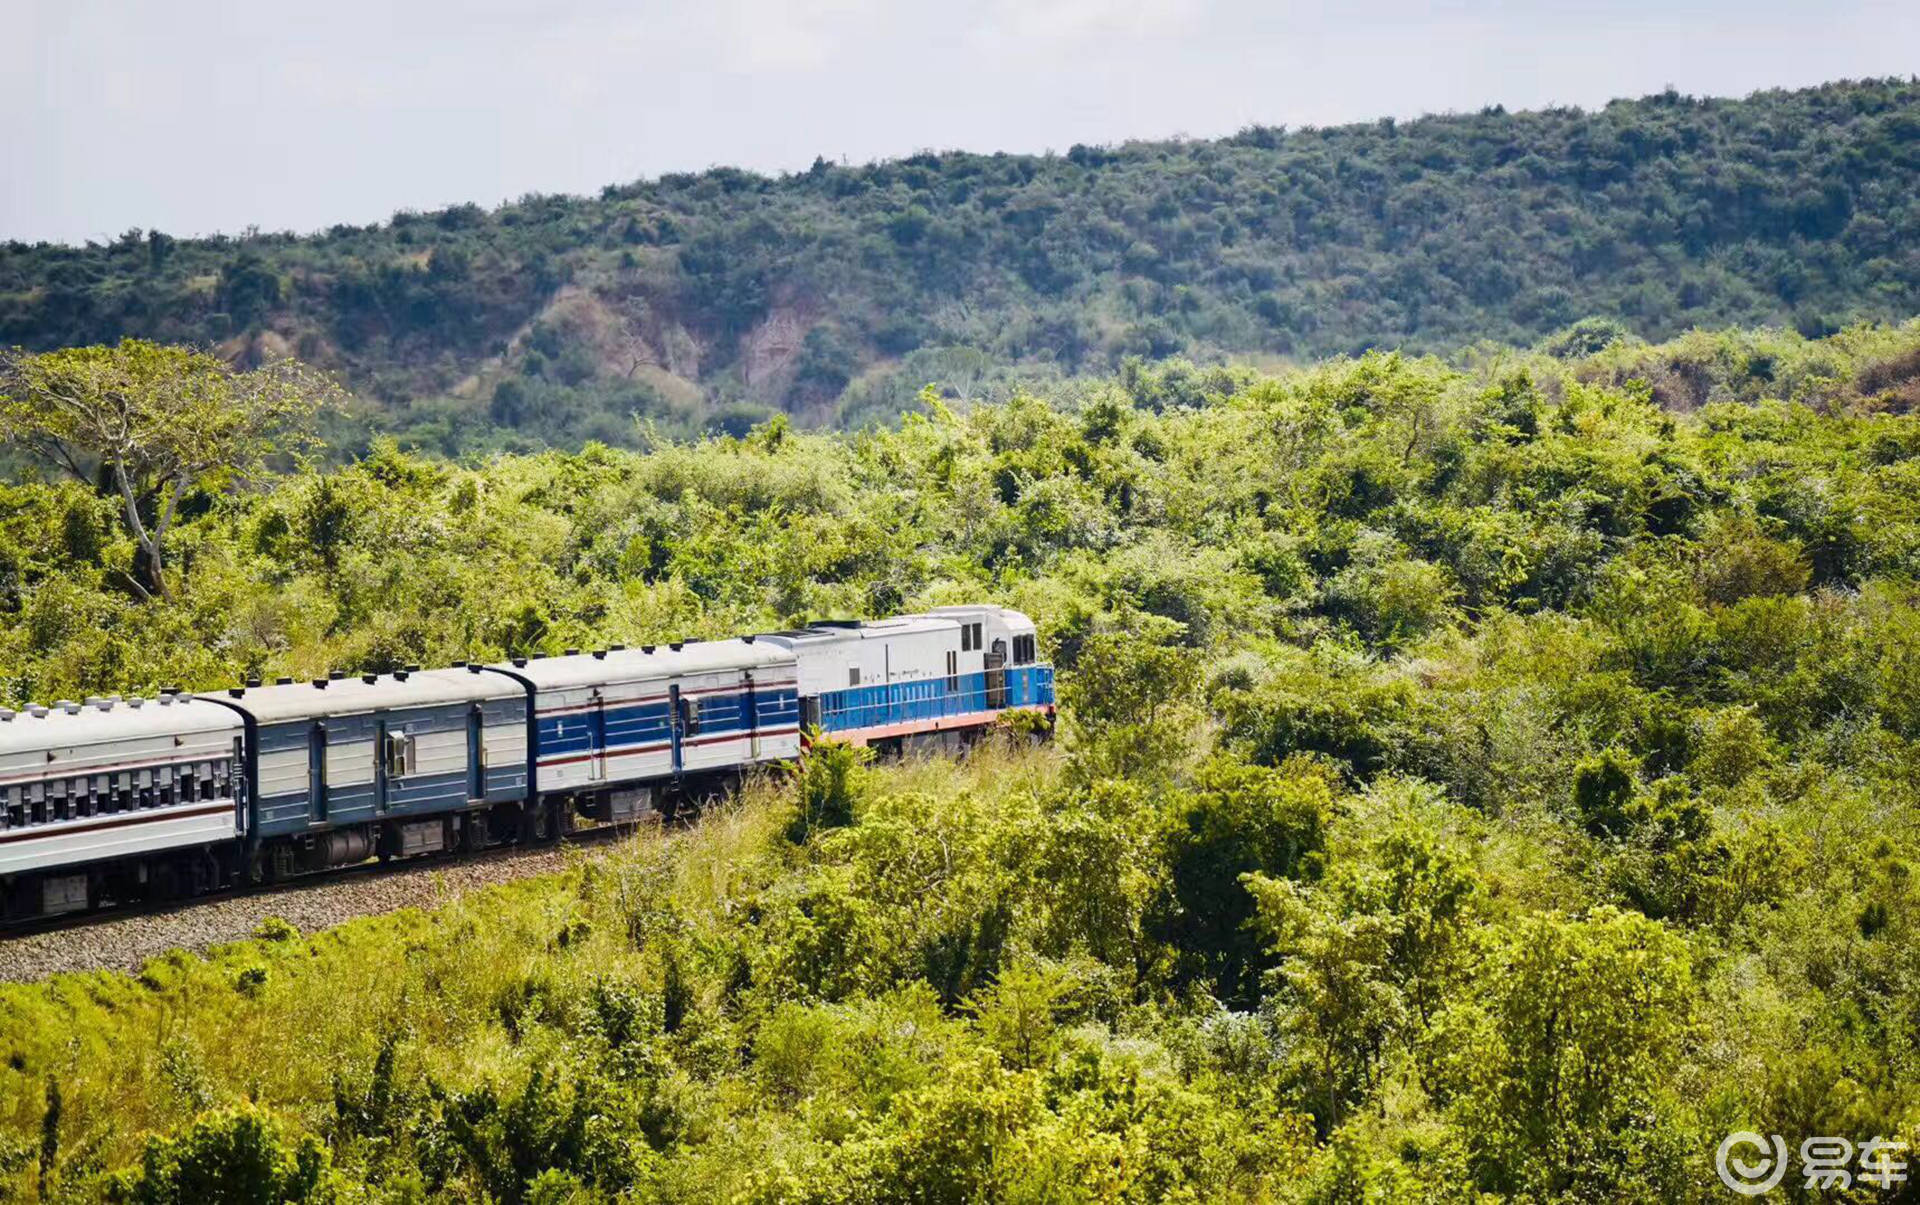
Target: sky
205 116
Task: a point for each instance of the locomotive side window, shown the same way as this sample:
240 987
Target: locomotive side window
853 676
966 638
953 671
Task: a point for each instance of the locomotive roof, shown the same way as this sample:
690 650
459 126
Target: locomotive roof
897 625
638 665
352 695
120 719
1015 621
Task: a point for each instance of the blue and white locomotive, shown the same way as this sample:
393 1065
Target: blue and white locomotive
112 799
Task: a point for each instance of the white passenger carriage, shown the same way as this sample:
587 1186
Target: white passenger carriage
120 798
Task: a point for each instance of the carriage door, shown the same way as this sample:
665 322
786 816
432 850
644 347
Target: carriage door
238 778
752 718
476 753
382 765
596 718
317 774
997 675
677 723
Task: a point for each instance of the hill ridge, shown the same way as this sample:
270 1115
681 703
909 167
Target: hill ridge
836 293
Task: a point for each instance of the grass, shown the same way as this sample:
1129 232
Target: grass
279 1019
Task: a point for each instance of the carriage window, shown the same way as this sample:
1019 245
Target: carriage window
13 812
977 642
400 759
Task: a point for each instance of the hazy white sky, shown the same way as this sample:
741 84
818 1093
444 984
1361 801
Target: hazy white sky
194 116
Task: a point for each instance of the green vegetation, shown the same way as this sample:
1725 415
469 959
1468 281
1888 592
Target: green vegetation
1490 777
837 293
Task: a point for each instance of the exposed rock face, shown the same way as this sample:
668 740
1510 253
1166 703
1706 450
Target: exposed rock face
768 352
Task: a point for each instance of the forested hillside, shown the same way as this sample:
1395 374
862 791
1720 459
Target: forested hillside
835 294
1495 779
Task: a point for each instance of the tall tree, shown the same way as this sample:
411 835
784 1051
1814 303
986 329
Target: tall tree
150 423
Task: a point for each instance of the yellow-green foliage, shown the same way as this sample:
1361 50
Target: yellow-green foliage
1475 778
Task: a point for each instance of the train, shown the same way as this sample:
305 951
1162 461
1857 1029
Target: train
115 800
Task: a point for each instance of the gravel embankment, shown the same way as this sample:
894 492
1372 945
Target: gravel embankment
124 943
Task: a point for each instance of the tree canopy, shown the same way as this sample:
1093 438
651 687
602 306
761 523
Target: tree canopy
1479 778
157 422
707 300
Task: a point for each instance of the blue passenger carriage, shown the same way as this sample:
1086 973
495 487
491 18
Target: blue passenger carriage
616 727
396 764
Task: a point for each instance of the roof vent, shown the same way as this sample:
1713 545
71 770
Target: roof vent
320 683
369 679
253 679
136 702
6 713
97 701
677 645
616 648
413 669
599 654
68 706
401 675
473 667
539 656
166 700
746 640
36 711
283 681
573 652
520 662
334 675
647 649
236 691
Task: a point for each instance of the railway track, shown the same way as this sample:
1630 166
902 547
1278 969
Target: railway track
125 937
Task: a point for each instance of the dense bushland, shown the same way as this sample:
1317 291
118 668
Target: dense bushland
1473 779
840 291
